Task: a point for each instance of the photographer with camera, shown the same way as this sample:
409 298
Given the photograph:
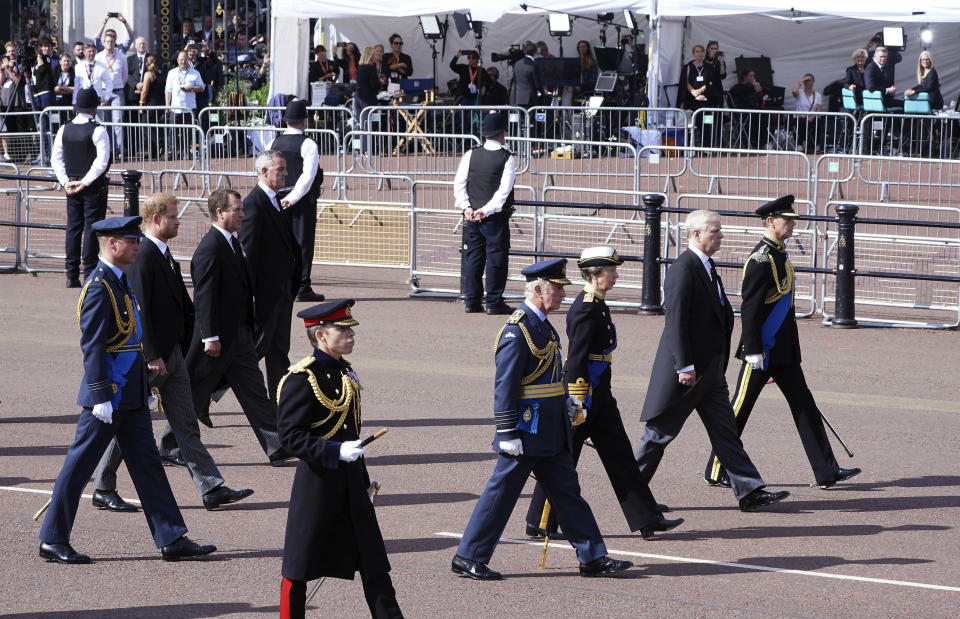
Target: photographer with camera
122 46
12 97
716 58
43 91
470 90
115 84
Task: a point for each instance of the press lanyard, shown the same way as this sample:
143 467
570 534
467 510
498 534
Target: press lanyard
473 74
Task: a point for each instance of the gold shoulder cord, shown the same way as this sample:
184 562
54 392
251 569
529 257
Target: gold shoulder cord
348 398
778 289
124 328
546 356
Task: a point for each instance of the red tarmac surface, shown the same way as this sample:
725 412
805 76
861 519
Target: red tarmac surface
884 544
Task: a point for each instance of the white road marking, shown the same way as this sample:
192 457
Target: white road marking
36 491
743 566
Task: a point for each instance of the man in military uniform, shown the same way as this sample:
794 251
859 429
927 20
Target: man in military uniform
332 528
770 347
483 189
303 165
80 159
532 415
592 338
113 395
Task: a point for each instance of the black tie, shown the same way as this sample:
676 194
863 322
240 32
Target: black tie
715 279
123 280
236 246
169 258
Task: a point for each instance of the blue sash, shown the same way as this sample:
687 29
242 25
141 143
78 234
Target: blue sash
119 363
768 333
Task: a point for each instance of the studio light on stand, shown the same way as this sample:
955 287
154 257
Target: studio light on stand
560 26
432 32
926 36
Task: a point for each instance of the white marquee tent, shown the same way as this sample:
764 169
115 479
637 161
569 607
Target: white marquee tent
819 40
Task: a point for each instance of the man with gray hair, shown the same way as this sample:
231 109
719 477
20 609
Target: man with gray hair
688 371
274 258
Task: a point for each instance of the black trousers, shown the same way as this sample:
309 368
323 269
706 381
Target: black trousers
604 427
713 406
239 369
378 591
273 339
806 416
303 218
83 210
486 246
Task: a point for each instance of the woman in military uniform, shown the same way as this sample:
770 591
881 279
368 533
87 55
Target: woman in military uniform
332 529
592 338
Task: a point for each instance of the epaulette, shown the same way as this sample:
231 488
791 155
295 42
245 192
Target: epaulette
516 316
587 297
301 365
761 255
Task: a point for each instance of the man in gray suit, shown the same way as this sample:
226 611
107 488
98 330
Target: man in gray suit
166 313
528 81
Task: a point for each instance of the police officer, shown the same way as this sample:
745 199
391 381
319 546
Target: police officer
332 528
81 158
483 189
593 338
532 415
303 165
770 347
113 395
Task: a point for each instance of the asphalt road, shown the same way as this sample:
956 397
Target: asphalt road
884 544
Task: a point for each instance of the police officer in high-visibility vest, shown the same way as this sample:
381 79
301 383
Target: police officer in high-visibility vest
300 204
483 189
770 347
81 158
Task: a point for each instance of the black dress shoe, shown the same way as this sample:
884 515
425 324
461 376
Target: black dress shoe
110 500
62 553
842 475
280 458
723 481
74 282
473 308
535 531
499 309
761 498
176 460
222 495
662 507
604 566
309 296
649 531
185 548
473 569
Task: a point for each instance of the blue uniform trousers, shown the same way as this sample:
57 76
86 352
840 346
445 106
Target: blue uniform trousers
558 477
135 437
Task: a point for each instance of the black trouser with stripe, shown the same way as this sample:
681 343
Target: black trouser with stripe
806 416
604 427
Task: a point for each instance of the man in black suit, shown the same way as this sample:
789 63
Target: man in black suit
223 351
136 65
877 76
688 371
274 258
166 313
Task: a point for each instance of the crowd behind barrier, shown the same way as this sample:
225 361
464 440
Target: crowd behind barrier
388 201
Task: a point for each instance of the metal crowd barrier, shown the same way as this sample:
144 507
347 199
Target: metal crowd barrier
933 136
20 137
774 130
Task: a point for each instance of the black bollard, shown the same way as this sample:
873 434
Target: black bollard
131 192
845 305
651 302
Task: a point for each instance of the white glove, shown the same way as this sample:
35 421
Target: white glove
572 405
103 412
755 361
152 402
351 450
513 447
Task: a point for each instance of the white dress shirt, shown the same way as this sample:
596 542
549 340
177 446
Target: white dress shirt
229 237
704 260
116 70
163 246
100 139
311 162
270 194
91 75
495 204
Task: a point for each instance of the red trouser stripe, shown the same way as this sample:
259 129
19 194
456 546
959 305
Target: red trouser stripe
285 587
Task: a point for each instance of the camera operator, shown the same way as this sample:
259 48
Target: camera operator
874 44
12 97
323 69
716 58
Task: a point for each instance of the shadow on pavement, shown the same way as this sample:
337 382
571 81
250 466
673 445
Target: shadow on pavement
410 423
183 611
447 458
808 564
419 544
781 532
386 499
